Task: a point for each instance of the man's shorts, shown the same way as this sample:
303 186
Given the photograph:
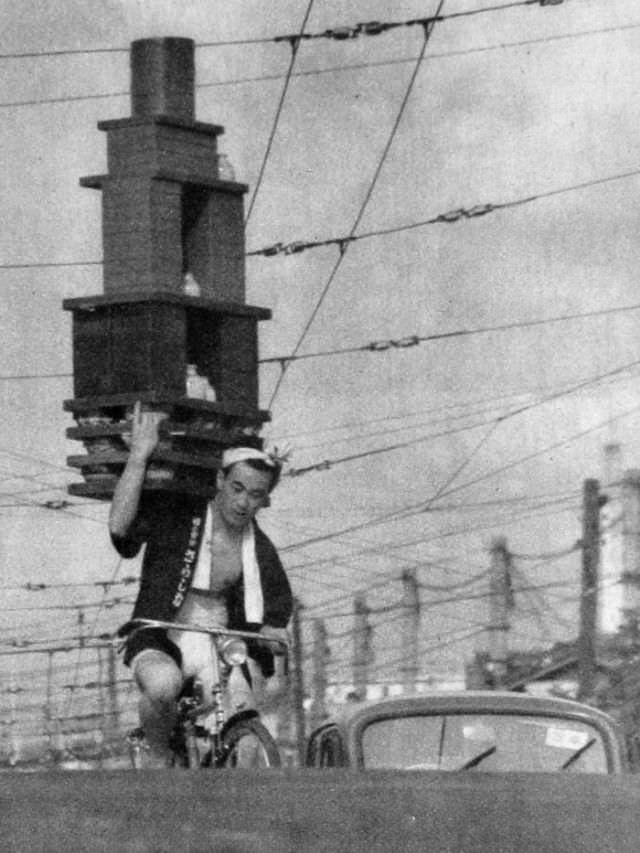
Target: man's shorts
194 654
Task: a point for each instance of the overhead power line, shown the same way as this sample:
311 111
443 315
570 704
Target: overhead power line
16 376
332 69
382 63
294 44
326 464
549 556
343 242
509 465
448 534
86 605
375 28
51 649
427 30
424 650
441 409
423 506
92 631
539 502
35 586
414 340
20 643
338 33
79 51
448 218
44 264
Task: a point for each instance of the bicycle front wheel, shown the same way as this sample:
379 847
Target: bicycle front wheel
248 744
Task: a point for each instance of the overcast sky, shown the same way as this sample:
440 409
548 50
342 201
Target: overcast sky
507 105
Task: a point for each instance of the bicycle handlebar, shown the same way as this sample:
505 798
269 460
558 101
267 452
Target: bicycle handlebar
143 624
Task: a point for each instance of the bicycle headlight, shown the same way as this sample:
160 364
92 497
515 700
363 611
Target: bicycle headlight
233 651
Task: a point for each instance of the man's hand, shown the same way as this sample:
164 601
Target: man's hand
280 635
144 432
126 496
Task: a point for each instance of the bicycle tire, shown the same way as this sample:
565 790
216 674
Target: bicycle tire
252 731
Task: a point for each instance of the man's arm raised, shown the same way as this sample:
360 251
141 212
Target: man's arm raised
126 497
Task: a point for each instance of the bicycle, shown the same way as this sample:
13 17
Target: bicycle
204 735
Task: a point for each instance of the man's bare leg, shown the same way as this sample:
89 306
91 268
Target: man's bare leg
159 680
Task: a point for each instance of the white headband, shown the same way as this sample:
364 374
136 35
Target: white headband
242 454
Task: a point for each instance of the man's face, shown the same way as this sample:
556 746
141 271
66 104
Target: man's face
241 494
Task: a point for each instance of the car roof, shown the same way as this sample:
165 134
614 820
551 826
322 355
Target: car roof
484 701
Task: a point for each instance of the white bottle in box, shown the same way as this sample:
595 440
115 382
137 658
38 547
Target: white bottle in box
194 382
190 285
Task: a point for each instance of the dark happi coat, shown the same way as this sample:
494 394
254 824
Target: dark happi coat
172 526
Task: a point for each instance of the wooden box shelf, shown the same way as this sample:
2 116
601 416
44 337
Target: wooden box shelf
172 213
192 439
144 341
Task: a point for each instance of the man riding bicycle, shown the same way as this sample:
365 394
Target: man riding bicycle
206 563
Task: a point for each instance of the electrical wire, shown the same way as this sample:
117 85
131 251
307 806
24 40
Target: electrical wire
9 377
549 556
536 454
294 43
450 217
60 506
343 242
545 608
265 78
326 464
399 344
385 548
466 404
47 264
85 605
37 586
427 30
80 51
466 531
384 63
92 630
346 32
337 33
414 339
434 647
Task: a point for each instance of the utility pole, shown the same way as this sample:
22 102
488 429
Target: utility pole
410 630
47 708
320 654
14 749
113 711
361 646
631 551
81 623
297 686
611 594
589 590
499 602
102 705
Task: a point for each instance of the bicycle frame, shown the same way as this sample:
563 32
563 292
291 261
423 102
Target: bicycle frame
190 709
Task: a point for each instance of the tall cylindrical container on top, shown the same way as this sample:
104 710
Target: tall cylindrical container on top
163 78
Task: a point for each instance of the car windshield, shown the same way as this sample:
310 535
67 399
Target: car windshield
492 742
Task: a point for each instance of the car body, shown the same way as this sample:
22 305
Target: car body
479 730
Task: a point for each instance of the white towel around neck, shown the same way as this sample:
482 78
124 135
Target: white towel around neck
253 598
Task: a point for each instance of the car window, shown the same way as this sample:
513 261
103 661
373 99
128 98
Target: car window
330 752
493 742
312 758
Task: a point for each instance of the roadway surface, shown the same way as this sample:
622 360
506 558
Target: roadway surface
282 811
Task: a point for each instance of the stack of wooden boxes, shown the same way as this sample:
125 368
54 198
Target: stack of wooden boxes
167 218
